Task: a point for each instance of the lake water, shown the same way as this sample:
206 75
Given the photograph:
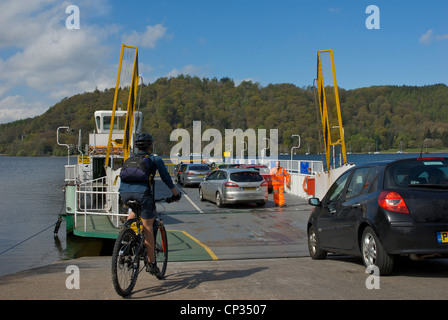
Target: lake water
31 198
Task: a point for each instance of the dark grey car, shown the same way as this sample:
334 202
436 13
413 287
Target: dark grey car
193 174
382 210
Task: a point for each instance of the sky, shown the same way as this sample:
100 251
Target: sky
48 51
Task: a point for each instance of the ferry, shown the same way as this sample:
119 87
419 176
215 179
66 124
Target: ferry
91 187
92 207
92 199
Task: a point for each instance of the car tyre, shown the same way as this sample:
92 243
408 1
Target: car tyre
201 195
218 200
316 252
373 253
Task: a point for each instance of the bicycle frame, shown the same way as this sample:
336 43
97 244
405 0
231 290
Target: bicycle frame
130 248
141 249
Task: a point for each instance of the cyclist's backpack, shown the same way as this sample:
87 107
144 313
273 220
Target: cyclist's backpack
136 169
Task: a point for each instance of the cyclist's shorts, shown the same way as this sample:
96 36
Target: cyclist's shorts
147 203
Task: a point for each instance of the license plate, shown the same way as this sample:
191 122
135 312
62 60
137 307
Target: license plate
442 237
251 188
201 175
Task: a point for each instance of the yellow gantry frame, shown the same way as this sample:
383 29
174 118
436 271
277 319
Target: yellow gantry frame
130 108
324 110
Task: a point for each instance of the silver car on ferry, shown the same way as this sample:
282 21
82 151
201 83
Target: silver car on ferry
230 186
192 173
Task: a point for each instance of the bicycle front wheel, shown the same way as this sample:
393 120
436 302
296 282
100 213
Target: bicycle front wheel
161 249
125 263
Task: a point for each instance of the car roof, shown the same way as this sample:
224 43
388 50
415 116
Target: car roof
197 164
233 170
389 161
254 165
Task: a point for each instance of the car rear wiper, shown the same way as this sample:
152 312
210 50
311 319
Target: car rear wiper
432 186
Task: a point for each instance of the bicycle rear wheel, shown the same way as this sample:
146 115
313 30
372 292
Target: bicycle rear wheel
125 263
161 249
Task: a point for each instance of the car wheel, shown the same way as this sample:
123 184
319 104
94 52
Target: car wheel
373 253
218 200
201 195
316 252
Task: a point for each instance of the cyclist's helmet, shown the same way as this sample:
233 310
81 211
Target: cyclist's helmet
143 141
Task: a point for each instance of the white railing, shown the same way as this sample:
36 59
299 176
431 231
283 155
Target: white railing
301 171
75 173
95 198
305 167
70 173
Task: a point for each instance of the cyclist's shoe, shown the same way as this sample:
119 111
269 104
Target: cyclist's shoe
152 268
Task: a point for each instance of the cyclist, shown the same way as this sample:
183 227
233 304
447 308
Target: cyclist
141 191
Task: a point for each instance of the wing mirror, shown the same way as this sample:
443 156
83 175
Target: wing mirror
314 202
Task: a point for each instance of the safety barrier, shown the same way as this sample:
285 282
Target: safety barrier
301 183
96 198
292 166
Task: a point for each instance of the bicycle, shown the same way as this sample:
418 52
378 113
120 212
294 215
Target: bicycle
129 250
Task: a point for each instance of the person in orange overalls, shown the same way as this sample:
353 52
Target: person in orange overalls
278 184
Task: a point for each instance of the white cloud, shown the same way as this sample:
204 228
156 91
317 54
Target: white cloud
41 58
22 20
15 107
57 58
429 36
335 10
442 37
146 39
188 69
426 38
49 58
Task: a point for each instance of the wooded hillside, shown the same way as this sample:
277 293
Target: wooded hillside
381 117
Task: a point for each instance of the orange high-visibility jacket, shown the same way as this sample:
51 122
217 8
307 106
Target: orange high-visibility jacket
278 177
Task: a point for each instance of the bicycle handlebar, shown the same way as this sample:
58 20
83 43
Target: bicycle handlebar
134 204
170 199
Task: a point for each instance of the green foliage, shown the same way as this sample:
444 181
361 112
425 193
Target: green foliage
375 118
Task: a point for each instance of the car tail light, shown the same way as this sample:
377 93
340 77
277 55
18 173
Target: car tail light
264 184
189 173
392 201
231 185
429 158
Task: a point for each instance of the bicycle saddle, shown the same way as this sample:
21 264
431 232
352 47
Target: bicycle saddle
133 204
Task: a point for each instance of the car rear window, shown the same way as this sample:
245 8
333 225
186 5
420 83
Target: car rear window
422 172
261 169
198 167
246 176
224 166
